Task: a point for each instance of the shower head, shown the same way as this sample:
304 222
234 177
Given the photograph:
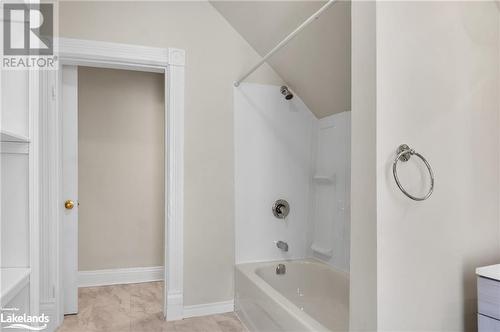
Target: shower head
285 92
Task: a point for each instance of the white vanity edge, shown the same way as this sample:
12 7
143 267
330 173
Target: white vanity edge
491 272
12 281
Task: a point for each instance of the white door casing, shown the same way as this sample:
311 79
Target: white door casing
171 62
69 113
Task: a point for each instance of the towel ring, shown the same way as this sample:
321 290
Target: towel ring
404 153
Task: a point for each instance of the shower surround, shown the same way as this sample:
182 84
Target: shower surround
273 156
282 151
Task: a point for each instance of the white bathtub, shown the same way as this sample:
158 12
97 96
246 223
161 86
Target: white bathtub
310 296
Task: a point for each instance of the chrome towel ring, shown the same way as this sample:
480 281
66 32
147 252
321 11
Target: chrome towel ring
404 153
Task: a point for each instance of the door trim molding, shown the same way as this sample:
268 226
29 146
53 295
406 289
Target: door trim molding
171 62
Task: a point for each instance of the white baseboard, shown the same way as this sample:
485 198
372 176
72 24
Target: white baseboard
208 309
120 276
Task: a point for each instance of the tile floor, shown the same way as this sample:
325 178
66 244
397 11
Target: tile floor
136 308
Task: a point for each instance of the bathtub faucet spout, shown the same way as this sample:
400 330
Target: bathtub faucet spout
280 269
282 245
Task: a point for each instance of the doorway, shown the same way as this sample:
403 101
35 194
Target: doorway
78 52
113 162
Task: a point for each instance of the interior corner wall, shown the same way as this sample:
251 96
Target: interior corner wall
216 55
363 266
437 91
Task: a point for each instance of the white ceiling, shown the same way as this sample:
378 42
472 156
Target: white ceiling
317 63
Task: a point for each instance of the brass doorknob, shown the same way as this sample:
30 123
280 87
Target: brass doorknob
69 204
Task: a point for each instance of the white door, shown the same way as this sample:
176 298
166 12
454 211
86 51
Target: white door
69 202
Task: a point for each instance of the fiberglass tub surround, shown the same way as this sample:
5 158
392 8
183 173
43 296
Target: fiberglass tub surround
285 154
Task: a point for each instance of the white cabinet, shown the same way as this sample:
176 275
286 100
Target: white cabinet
488 295
488 298
487 324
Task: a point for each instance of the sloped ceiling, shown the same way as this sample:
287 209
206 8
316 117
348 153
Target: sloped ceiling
316 64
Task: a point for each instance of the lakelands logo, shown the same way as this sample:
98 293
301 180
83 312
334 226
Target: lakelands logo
9 319
28 36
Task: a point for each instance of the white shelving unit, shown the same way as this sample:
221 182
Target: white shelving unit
6 136
14 280
18 97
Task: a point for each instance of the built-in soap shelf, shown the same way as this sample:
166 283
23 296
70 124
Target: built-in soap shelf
324 179
322 251
7 136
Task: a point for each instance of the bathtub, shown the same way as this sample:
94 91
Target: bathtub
310 296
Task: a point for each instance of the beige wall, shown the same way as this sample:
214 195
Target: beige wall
437 90
120 168
216 55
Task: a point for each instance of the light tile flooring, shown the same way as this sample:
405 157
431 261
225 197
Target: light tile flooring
136 308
